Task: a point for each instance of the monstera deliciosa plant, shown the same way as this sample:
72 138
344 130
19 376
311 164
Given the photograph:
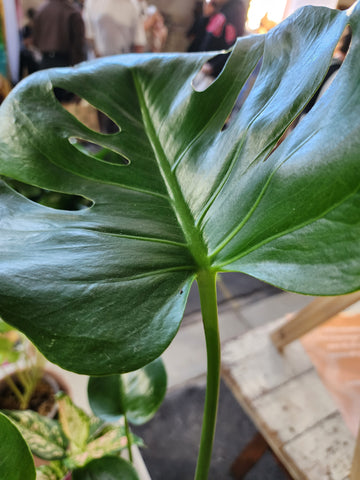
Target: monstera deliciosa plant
178 197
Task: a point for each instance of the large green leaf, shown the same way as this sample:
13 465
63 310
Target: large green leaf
107 468
16 461
138 394
103 290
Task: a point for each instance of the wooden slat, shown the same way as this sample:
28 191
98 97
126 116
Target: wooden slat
317 312
295 407
256 364
323 452
355 468
289 405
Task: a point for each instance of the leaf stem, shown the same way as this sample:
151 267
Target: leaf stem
128 436
207 289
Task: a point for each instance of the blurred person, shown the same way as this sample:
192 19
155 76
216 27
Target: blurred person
225 23
114 26
27 29
197 32
79 4
30 57
59 34
155 29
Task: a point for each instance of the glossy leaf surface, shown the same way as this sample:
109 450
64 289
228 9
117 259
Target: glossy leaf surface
16 461
138 394
103 290
108 468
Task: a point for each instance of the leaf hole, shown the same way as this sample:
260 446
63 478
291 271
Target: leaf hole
48 198
245 92
99 152
201 83
209 72
339 56
86 113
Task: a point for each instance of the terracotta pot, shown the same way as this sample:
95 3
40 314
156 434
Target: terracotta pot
42 400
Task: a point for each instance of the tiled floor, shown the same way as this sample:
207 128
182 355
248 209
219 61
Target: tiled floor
185 359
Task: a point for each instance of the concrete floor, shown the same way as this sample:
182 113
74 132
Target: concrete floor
244 303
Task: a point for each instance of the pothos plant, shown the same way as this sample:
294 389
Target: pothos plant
179 198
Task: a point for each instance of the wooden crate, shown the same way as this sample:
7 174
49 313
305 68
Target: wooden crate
284 396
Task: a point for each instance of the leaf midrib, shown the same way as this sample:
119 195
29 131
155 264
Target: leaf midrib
194 239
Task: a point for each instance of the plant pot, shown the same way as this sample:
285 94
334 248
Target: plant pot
43 399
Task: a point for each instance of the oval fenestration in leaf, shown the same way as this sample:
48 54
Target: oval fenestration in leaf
138 394
16 461
107 468
103 290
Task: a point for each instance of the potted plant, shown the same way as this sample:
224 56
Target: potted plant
181 198
25 383
76 443
72 442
